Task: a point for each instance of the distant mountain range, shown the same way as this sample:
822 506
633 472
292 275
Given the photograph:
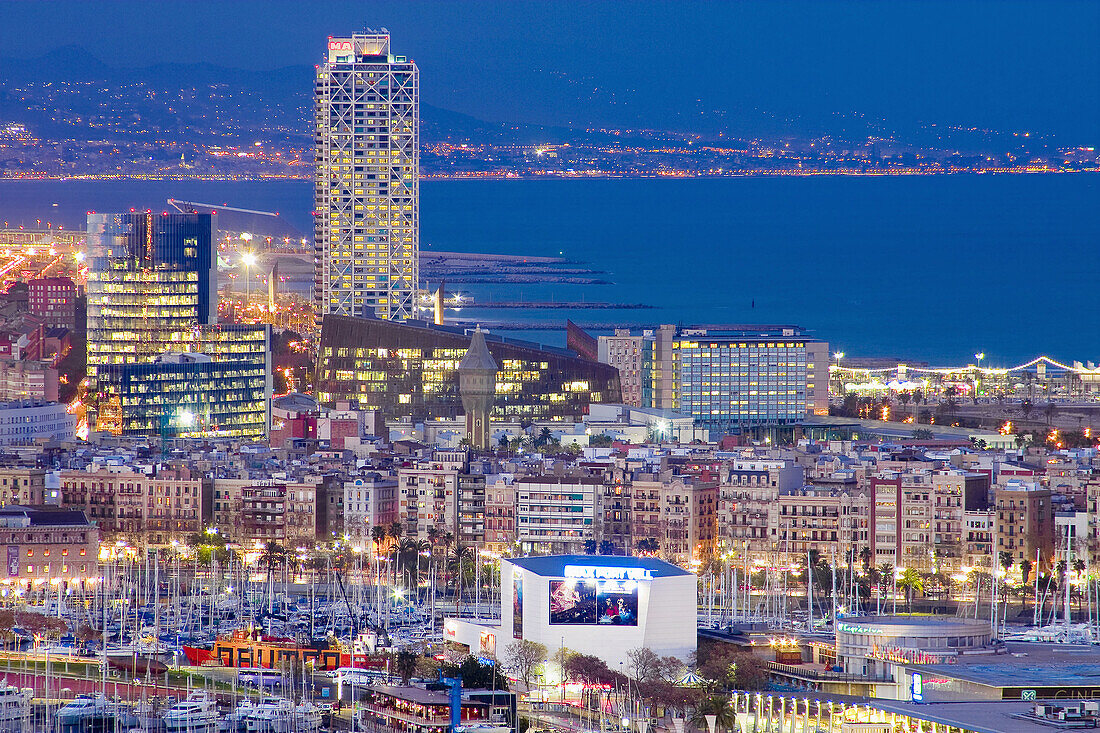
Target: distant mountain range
278 100
205 104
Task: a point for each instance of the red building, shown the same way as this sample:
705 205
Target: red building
54 300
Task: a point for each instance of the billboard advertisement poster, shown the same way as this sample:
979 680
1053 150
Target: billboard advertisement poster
591 602
517 605
13 561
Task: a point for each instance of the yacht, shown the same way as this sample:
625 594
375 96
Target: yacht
15 708
197 714
279 715
88 713
237 721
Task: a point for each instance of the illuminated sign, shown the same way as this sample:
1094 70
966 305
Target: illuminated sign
918 687
594 573
339 46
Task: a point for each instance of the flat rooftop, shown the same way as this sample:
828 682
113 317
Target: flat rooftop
1027 664
979 717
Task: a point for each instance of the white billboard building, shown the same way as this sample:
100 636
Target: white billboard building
602 605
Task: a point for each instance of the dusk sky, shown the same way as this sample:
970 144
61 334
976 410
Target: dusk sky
1009 65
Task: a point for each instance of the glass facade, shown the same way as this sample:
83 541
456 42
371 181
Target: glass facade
367 184
732 384
410 369
219 377
151 281
191 400
152 292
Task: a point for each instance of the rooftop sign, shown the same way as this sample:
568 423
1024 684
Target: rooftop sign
603 573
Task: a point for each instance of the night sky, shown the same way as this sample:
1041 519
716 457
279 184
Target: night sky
1012 66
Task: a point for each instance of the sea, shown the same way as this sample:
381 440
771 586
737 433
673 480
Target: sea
919 268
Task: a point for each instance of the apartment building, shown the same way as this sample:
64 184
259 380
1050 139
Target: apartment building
277 512
22 485
555 514
834 524
369 501
1025 522
42 545
153 509
500 513
250 511
626 353
428 497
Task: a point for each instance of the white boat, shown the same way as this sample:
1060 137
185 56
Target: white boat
237 721
197 714
15 708
279 715
86 713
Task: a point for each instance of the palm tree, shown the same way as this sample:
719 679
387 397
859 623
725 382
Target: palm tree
458 558
886 577
272 554
718 705
1049 411
395 530
911 582
404 663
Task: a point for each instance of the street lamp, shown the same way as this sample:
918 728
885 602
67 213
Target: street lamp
978 373
839 380
248 259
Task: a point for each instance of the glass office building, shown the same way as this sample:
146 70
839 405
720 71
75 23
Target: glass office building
367 180
151 281
185 395
410 369
152 291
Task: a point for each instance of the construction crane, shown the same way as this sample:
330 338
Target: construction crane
184 206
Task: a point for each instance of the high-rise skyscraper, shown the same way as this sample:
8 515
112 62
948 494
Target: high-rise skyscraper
151 280
367 209
159 363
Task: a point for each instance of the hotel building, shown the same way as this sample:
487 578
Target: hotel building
367 184
731 378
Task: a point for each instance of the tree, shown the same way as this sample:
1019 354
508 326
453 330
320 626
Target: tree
719 706
649 546
644 664
476 675
601 441
1027 407
1025 570
923 434
273 553
1005 558
1049 411
910 582
607 547
404 663
525 657
590 547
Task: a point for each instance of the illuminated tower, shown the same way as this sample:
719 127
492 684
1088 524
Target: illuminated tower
477 385
367 181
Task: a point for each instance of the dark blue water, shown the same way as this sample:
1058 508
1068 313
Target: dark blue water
932 268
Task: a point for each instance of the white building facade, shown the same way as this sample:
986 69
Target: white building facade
599 605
